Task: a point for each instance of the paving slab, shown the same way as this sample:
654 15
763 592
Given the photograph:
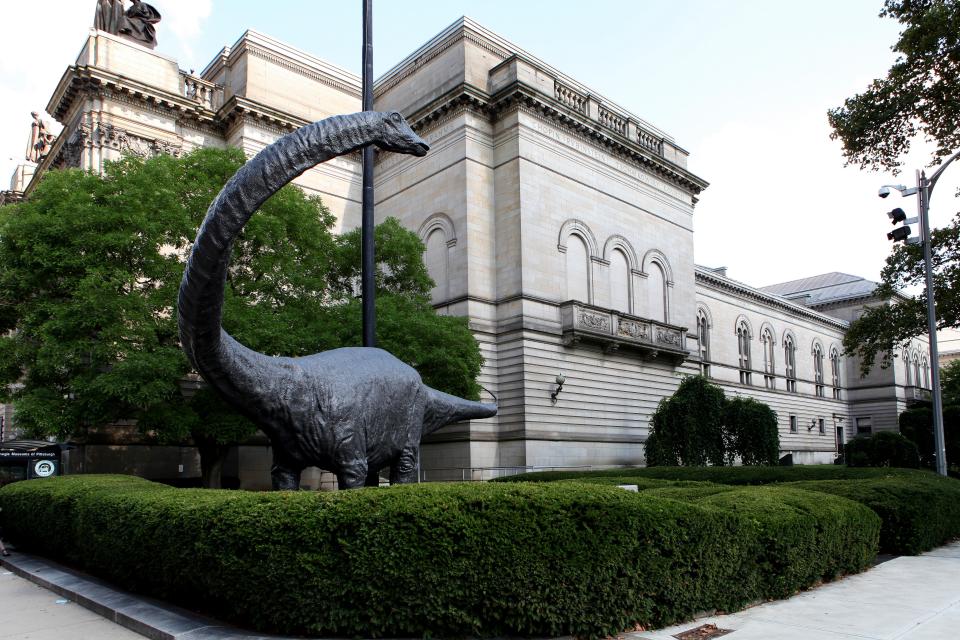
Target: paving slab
31 612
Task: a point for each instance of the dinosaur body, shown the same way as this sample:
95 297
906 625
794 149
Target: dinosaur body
352 411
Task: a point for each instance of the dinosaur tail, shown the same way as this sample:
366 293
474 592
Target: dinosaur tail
443 409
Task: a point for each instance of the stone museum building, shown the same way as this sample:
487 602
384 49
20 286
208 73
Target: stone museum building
559 222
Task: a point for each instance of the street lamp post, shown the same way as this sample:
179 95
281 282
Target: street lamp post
923 190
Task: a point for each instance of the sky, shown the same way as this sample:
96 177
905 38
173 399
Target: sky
743 85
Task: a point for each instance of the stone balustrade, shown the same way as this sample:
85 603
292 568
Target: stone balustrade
572 99
519 70
614 330
207 94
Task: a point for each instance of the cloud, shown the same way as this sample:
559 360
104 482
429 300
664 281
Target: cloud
184 19
782 206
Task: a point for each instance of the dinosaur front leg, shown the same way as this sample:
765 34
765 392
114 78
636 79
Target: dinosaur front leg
403 469
285 478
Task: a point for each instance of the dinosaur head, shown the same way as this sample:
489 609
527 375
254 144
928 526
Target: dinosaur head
399 137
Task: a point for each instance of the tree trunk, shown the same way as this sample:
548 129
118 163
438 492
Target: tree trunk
212 456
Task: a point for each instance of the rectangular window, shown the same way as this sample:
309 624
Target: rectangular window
744 377
864 426
836 393
770 382
822 425
819 390
705 369
793 424
791 385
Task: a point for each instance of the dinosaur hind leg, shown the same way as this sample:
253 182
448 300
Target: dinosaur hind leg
352 475
285 478
403 469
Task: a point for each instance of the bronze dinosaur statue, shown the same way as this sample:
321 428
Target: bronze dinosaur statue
352 411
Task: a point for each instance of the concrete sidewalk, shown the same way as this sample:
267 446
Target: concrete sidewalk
907 598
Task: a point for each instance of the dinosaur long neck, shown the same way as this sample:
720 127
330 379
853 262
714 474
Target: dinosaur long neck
200 305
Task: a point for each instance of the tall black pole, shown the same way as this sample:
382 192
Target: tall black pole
368 266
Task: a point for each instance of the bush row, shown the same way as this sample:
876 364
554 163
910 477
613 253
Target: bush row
722 475
448 560
919 509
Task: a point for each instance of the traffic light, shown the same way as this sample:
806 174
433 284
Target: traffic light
901 234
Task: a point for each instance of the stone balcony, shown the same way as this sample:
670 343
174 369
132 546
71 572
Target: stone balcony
614 330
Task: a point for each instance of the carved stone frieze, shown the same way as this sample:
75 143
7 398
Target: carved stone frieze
595 321
71 153
633 329
667 336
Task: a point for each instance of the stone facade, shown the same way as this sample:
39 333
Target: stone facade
558 222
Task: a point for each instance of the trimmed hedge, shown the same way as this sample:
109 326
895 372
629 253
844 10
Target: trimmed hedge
721 475
449 560
919 512
919 509
882 449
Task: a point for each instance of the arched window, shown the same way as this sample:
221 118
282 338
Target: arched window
578 269
743 342
908 381
619 281
926 373
657 288
916 370
790 362
435 259
835 372
703 338
769 377
439 237
818 368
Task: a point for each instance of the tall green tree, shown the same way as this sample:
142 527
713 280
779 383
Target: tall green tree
89 272
919 96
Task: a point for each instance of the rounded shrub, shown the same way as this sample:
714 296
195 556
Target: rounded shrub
882 449
687 428
751 432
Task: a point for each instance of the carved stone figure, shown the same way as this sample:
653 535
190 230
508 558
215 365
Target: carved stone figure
109 16
137 24
41 140
352 411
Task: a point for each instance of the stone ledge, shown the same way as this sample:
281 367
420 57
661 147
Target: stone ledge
148 617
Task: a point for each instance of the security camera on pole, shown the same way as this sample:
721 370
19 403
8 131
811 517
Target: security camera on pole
923 190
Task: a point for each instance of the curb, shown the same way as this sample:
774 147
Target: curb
149 617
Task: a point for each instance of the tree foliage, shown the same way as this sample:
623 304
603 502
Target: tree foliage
882 449
919 95
698 426
750 432
916 424
89 272
882 330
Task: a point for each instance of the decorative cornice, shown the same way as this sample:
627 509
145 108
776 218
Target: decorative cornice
237 109
520 96
468 97
707 277
87 80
